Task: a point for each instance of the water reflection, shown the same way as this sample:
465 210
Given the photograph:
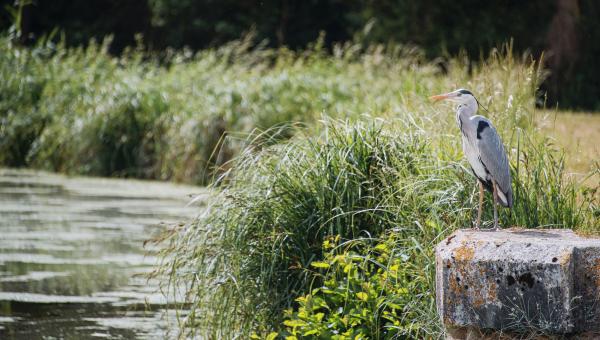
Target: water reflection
71 256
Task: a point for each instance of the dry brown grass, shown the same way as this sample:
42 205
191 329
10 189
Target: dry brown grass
579 134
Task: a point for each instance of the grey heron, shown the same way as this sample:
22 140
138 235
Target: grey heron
483 149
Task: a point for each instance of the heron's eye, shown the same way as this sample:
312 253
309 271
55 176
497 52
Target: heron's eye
459 94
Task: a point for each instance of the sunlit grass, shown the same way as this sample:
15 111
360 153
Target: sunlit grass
309 145
87 112
358 178
270 215
578 134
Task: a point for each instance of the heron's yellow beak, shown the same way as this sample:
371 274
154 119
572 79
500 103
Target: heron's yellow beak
439 97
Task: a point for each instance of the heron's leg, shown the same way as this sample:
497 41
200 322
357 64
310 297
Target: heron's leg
495 194
478 223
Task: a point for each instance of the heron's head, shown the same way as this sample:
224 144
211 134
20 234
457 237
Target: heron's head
461 97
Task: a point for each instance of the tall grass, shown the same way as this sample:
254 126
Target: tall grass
270 218
81 110
245 259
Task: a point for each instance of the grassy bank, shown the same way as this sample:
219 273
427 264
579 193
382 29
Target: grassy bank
84 111
328 163
306 237
263 243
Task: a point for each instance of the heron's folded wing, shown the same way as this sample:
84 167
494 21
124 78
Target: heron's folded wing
493 156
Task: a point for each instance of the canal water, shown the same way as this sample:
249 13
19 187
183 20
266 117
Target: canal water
72 260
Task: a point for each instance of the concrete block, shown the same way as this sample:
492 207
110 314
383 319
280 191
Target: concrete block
519 280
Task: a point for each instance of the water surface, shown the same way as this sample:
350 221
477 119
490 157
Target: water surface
72 261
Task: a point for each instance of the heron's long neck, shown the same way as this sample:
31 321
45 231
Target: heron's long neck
463 113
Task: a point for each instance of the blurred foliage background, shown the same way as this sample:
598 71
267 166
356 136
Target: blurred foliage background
566 31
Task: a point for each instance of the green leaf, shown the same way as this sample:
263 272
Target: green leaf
319 316
294 323
311 332
362 296
381 247
319 264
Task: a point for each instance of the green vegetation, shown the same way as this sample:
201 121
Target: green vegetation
84 111
255 261
372 289
250 256
365 161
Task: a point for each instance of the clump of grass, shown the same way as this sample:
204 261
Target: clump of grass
245 258
20 91
549 196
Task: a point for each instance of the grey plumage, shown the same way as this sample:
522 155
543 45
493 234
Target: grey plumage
493 157
483 149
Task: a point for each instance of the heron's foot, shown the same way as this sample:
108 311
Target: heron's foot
496 227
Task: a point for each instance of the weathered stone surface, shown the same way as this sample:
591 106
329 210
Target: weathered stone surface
516 279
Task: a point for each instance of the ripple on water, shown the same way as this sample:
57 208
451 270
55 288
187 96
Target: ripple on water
33 276
71 255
